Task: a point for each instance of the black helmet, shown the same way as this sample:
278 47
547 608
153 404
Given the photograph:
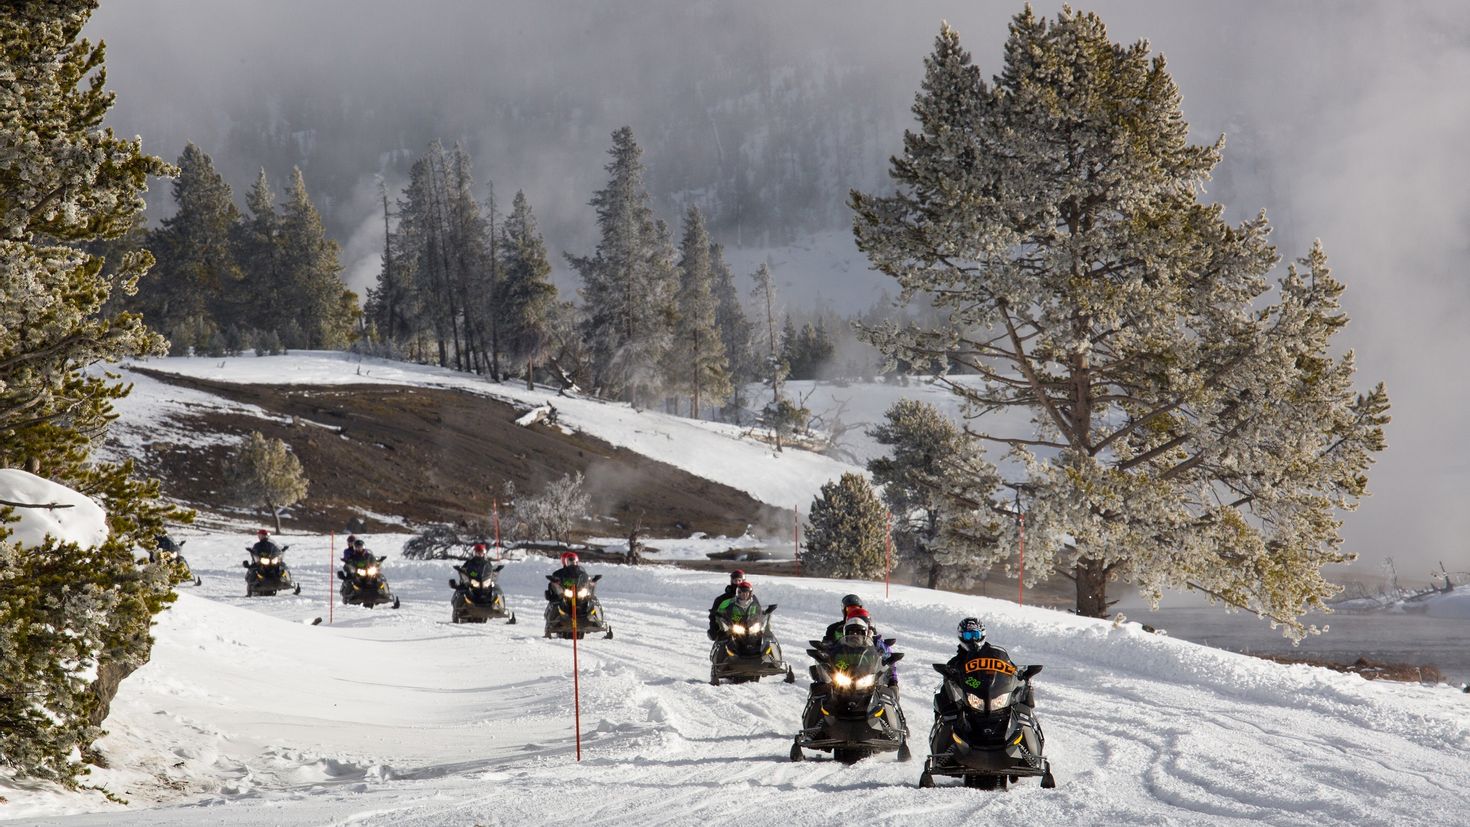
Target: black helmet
971 631
851 600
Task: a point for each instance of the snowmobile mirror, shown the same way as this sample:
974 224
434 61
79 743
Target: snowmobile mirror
244 565
1030 671
941 668
341 575
814 653
770 608
551 577
596 577
283 548
890 641
815 644
499 567
381 559
893 658
453 584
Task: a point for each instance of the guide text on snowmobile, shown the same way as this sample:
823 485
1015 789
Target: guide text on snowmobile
985 728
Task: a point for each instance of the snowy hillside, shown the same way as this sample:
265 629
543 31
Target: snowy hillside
247 715
709 449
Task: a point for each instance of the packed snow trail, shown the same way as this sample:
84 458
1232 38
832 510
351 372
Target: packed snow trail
249 715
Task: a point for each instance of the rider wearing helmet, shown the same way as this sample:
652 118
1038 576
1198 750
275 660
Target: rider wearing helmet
478 566
972 645
570 570
736 577
264 547
742 608
852 608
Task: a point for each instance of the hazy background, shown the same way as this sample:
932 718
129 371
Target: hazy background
1347 121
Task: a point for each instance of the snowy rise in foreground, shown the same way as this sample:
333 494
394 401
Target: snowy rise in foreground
249 715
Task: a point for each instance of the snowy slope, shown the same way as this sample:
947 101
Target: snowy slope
786 480
248 716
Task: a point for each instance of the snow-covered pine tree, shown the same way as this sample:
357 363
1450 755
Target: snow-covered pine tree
194 289
73 621
767 343
931 463
628 284
730 319
698 362
320 304
845 531
473 270
527 296
1184 433
268 476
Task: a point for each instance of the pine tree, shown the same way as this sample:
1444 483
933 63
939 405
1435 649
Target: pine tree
195 285
932 463
268 476
324 310
527 296
258 249
768 342
73 621
1185 433
698 355
734 327
628 284
845 531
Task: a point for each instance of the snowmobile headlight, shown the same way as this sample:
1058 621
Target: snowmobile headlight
474 584
866 681
1000 701
737 629
582 593
841 679
755 628
975 701
567 593
371 571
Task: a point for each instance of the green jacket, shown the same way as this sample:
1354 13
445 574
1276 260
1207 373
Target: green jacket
731 611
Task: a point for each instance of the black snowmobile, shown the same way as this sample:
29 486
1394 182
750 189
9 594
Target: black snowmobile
266 573
170 555
363 583
477 597
747 652
853 709
985 728
581 592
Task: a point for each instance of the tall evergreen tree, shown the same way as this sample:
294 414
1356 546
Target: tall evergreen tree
628 284
473 270
1192 435
258 249
702 369
768 342
323 309
527 296
846 531
730 319
73 621
197 280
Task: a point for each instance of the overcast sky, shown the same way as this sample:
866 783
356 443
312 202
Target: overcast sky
1346 121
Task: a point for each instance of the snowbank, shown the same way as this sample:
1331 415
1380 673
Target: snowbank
76 519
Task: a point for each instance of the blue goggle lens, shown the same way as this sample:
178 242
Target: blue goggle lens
971 634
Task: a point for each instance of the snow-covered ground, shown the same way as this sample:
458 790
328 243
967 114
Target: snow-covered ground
248 715
787 479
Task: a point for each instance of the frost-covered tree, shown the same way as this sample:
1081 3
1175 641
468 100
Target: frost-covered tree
734 326
845 531
1184 432
73 622
553 513
767 344
699 367
194 289
268 476
628 284
322 307
931 464
527 296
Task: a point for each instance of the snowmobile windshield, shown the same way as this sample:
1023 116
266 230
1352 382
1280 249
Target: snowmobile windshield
988 683
856 667
579 587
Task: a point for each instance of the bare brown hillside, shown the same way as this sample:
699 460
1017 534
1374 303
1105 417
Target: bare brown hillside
432 455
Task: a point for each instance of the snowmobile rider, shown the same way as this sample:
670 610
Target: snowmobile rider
736 577
478 566
742 608
972 644
355 553
570 570
264 546
852 607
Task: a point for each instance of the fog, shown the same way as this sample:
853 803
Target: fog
1345 120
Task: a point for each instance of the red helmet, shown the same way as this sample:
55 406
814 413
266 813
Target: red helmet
569 558
743 586
262 533
736 576
479 548
857 611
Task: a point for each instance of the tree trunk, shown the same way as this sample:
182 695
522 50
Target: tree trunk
1092 588
276 515
933 577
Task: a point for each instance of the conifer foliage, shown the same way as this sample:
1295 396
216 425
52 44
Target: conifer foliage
700 366
73 621
845 533
1184 433
268 476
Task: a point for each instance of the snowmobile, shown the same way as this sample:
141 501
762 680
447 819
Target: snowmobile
363 583
985 728
477 599
853 709
169 554
747 652
267 574
580 592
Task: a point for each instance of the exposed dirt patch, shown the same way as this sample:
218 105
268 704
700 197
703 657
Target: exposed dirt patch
437 455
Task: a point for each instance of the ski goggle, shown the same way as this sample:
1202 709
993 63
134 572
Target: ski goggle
972 634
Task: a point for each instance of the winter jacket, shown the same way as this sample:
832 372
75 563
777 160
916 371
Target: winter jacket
573 573
833 639
732 612
265 548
